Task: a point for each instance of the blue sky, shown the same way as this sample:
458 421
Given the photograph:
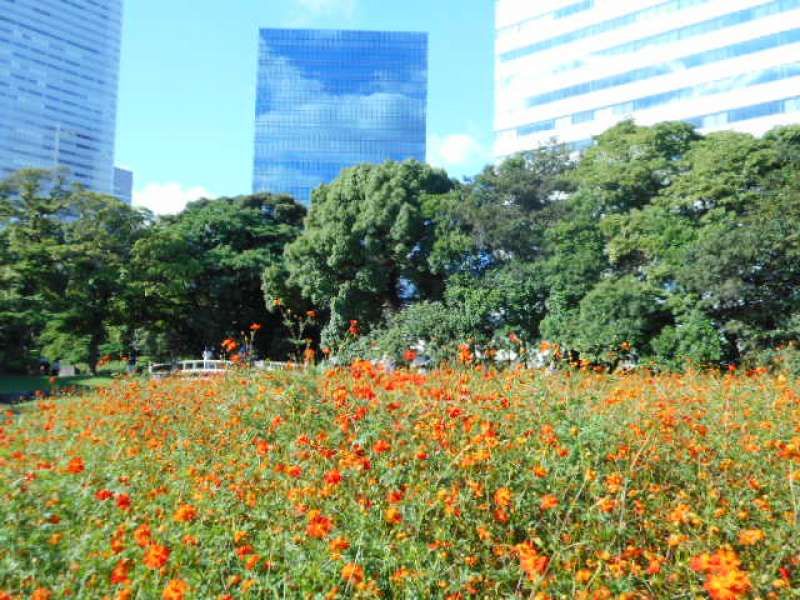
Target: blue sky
187 85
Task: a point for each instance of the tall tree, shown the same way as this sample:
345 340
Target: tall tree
366 244
198 274
95 259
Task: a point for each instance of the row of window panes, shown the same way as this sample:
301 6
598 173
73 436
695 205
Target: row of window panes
50 35
599 28
47 111
715 87
26 52
88 21
34 57
715 24
288 151
688 62
84 26
720 119
561 13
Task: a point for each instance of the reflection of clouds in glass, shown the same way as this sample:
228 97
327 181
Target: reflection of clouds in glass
329 100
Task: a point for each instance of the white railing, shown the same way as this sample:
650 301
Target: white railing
207 367
191 367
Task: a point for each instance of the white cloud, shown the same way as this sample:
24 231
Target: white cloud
457 152
318 8
168 198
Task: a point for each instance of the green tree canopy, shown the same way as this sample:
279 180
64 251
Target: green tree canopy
366 244
197 274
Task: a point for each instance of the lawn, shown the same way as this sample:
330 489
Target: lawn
454 484
21 384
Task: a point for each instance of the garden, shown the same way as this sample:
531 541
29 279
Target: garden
463 482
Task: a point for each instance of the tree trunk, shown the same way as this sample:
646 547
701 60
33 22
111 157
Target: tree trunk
94 353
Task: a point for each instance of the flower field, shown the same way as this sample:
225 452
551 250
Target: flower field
364 483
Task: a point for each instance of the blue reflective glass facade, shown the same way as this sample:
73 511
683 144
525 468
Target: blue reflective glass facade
123 185
59 64
331 99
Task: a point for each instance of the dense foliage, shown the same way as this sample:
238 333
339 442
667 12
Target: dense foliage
456 484
84 275
656 246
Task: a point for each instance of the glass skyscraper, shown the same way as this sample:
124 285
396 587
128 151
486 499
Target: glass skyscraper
59 63
330 99
123 185
569 69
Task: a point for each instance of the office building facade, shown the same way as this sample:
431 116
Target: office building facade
123 185
59 64
330 99
570 69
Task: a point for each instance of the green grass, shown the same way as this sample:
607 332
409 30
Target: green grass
20 384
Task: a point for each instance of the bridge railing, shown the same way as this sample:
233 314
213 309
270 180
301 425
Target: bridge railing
190 367
208 367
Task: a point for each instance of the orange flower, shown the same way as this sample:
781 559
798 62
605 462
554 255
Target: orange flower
143 535
256 326
750 537
410 355
395 496
725 580
393 516
240 536
540 471
311 314
338 545
465 354
156 556
121 572
186 513
532 563
76 465
382 446
319 526
352 572
309 355
176 590
728 586
548 502
41 594
502 497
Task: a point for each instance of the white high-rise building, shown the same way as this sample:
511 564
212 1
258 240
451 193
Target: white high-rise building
570 69
59 64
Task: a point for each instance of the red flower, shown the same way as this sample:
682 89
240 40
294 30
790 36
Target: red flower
319 526
354 328
333 477
256 326
103 495
410 355
124 501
